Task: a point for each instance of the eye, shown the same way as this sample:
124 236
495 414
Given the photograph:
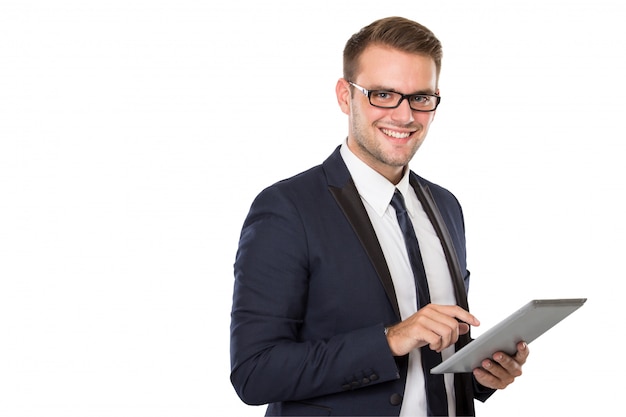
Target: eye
420 99
382 95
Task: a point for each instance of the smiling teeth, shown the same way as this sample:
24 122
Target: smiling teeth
396 135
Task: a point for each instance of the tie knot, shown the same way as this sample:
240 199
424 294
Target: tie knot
397 202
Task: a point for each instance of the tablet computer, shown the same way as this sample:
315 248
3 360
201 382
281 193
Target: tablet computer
526 324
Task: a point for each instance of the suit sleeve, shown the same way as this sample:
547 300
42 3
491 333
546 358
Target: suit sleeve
269 360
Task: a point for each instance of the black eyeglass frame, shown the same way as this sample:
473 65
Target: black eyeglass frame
368 94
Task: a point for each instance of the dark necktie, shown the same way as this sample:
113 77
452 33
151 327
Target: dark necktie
435 387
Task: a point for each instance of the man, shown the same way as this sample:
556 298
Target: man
329 316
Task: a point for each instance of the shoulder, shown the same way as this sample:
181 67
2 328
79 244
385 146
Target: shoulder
298 186
312 184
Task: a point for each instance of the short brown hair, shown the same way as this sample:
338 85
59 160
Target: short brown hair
396 32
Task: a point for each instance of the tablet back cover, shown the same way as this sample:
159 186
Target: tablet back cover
526 324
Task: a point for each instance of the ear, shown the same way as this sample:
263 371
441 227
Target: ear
435 112
342 89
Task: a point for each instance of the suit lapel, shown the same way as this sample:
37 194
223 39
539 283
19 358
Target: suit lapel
428 203
350 202
463 383
342 188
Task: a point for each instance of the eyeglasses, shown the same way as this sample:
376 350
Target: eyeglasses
391 99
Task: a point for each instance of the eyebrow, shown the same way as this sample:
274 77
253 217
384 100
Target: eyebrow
393 90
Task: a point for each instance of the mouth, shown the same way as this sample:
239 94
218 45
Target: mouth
396 134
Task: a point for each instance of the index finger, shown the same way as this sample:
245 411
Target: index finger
460 315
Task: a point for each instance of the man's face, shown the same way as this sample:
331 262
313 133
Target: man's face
387 139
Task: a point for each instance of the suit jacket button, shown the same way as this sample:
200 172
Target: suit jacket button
395 399
373 377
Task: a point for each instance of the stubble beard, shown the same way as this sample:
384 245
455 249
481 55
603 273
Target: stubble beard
366 141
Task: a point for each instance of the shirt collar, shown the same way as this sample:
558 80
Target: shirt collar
375 189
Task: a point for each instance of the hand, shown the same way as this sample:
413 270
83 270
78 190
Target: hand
500 372
438 326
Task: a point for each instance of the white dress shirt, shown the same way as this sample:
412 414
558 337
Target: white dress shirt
376 193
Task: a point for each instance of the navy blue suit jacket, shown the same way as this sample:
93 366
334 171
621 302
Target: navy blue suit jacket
313 293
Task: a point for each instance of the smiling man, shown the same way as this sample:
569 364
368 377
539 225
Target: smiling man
351 278
385 130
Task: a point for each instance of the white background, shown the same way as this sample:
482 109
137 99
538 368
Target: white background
135 134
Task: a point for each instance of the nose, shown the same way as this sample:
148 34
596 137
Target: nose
403 113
